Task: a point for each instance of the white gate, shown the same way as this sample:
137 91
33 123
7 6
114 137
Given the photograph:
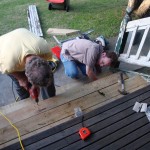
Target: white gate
137 58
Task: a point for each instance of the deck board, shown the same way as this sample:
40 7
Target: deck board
137 143
44 120
110 94
69 95
145 147
113 126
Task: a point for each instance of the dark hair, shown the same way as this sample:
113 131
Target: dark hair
39 72
114 58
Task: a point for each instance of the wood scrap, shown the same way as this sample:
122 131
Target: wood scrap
33 20
57 31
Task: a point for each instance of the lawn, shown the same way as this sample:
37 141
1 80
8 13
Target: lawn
104 16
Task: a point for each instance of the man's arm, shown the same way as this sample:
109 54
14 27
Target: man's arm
22 79
90 73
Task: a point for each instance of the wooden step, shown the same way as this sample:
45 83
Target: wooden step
59 91
32 119
78 83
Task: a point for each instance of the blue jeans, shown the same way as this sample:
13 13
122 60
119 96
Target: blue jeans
71 67
46 92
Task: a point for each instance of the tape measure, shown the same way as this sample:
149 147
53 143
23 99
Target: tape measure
84 133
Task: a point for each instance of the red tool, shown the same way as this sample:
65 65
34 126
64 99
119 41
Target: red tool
34 93
56 51
84 133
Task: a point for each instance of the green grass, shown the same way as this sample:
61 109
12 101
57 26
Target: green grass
104 16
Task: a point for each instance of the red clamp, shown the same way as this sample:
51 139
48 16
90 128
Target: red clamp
84 133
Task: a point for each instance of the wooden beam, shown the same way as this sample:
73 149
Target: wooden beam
56 31
69 95
33 20
16 106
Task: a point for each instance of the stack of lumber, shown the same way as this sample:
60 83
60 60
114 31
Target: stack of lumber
31 118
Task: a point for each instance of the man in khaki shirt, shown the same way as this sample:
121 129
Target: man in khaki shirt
85 54
23 56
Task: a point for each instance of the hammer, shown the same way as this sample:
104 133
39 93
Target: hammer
123 92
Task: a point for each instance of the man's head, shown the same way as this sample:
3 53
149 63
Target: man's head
108 59
38 72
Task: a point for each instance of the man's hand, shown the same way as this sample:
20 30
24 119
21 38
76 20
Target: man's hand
24 84
22 79
90 73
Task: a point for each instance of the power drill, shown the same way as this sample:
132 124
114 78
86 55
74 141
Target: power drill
34 93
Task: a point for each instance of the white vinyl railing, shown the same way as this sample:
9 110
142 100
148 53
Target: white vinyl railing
137 58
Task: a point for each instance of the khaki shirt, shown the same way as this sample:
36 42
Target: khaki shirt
82 50
16 45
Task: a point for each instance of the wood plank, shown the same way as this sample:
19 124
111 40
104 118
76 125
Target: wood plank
95 126
65 97
129 137
113 99
110 138
86 110
109 94
57 31
33 20
68 142
69 95
26 130
98 135
126 103
101 123
106 130
145 147
86 125
78 83
137 143
16 106
42 119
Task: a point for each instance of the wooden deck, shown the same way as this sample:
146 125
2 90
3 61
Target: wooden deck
50 125
113 126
